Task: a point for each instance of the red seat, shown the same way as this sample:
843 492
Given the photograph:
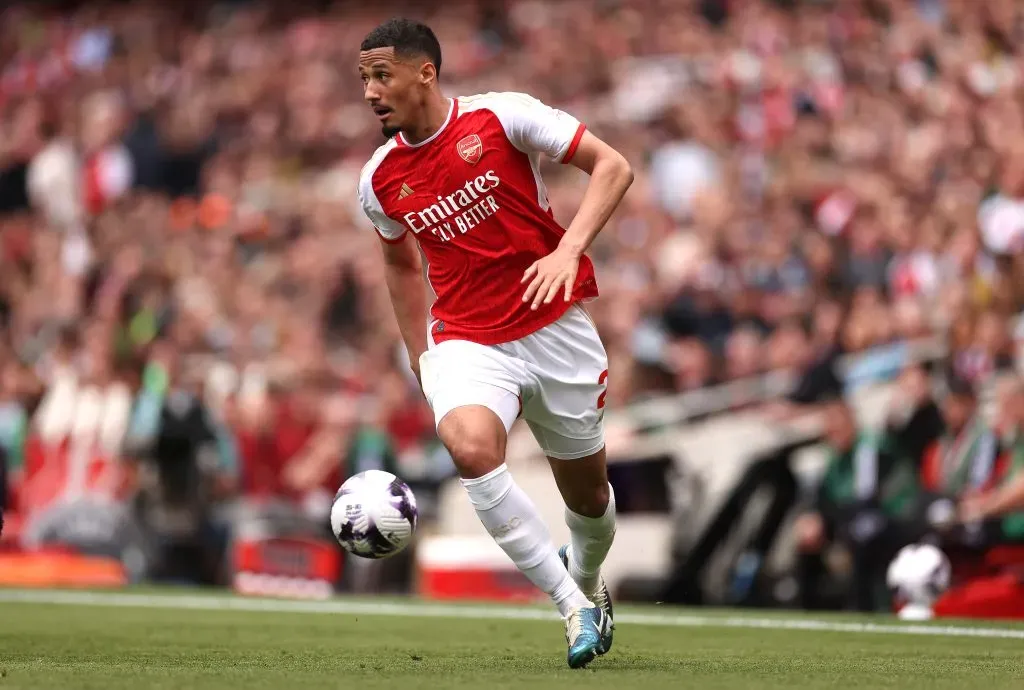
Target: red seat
997 596
1004 557
988 585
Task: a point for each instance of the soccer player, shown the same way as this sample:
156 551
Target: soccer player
458 180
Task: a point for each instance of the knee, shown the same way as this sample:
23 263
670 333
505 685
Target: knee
475 437
475 455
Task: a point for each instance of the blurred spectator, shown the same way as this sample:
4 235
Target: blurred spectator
788 348
692 364
300 442
988 350
743 354
865 503
914 420
819 380
964 459
999 509
54 177
187 464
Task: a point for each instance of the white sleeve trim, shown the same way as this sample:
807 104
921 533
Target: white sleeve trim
388 228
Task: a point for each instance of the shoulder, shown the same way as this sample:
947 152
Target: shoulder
496 101
375 180
370 170
510 107
530 125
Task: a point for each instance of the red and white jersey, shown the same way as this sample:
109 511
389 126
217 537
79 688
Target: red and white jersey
473 197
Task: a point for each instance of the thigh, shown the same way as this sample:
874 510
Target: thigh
473 391
568 369
459 373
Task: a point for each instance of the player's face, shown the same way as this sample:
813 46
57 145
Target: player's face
393 88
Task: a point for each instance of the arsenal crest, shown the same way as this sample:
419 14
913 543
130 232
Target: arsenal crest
470 148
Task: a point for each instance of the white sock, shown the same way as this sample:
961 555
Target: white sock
512 520
589 544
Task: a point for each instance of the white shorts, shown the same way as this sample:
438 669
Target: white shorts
555 377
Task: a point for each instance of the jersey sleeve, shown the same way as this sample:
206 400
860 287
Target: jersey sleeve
389 230
533 127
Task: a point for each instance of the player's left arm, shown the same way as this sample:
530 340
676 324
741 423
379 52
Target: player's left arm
610 177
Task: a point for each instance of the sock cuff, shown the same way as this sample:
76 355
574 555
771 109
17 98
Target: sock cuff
489 490
584 524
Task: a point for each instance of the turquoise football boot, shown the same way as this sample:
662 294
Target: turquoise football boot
584 629
601 599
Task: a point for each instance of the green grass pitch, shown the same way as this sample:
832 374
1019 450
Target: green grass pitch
156 639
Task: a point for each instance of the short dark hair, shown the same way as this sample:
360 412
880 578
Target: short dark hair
407 37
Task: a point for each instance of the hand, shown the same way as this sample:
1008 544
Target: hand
254 413
300 475
810 532
778 411
972 508
556 271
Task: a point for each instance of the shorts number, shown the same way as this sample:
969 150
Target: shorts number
602 380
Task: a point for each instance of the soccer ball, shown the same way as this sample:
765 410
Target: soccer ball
917 577
374 514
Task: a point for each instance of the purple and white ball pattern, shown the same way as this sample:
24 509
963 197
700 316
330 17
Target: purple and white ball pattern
374 514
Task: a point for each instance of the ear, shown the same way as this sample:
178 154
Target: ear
428 74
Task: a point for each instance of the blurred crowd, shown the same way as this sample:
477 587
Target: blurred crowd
940 470
178 215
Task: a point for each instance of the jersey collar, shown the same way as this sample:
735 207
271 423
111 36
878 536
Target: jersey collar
452 111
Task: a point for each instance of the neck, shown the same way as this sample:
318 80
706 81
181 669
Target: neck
435 112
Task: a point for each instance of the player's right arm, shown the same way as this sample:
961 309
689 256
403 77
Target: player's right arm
404 274
402 267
